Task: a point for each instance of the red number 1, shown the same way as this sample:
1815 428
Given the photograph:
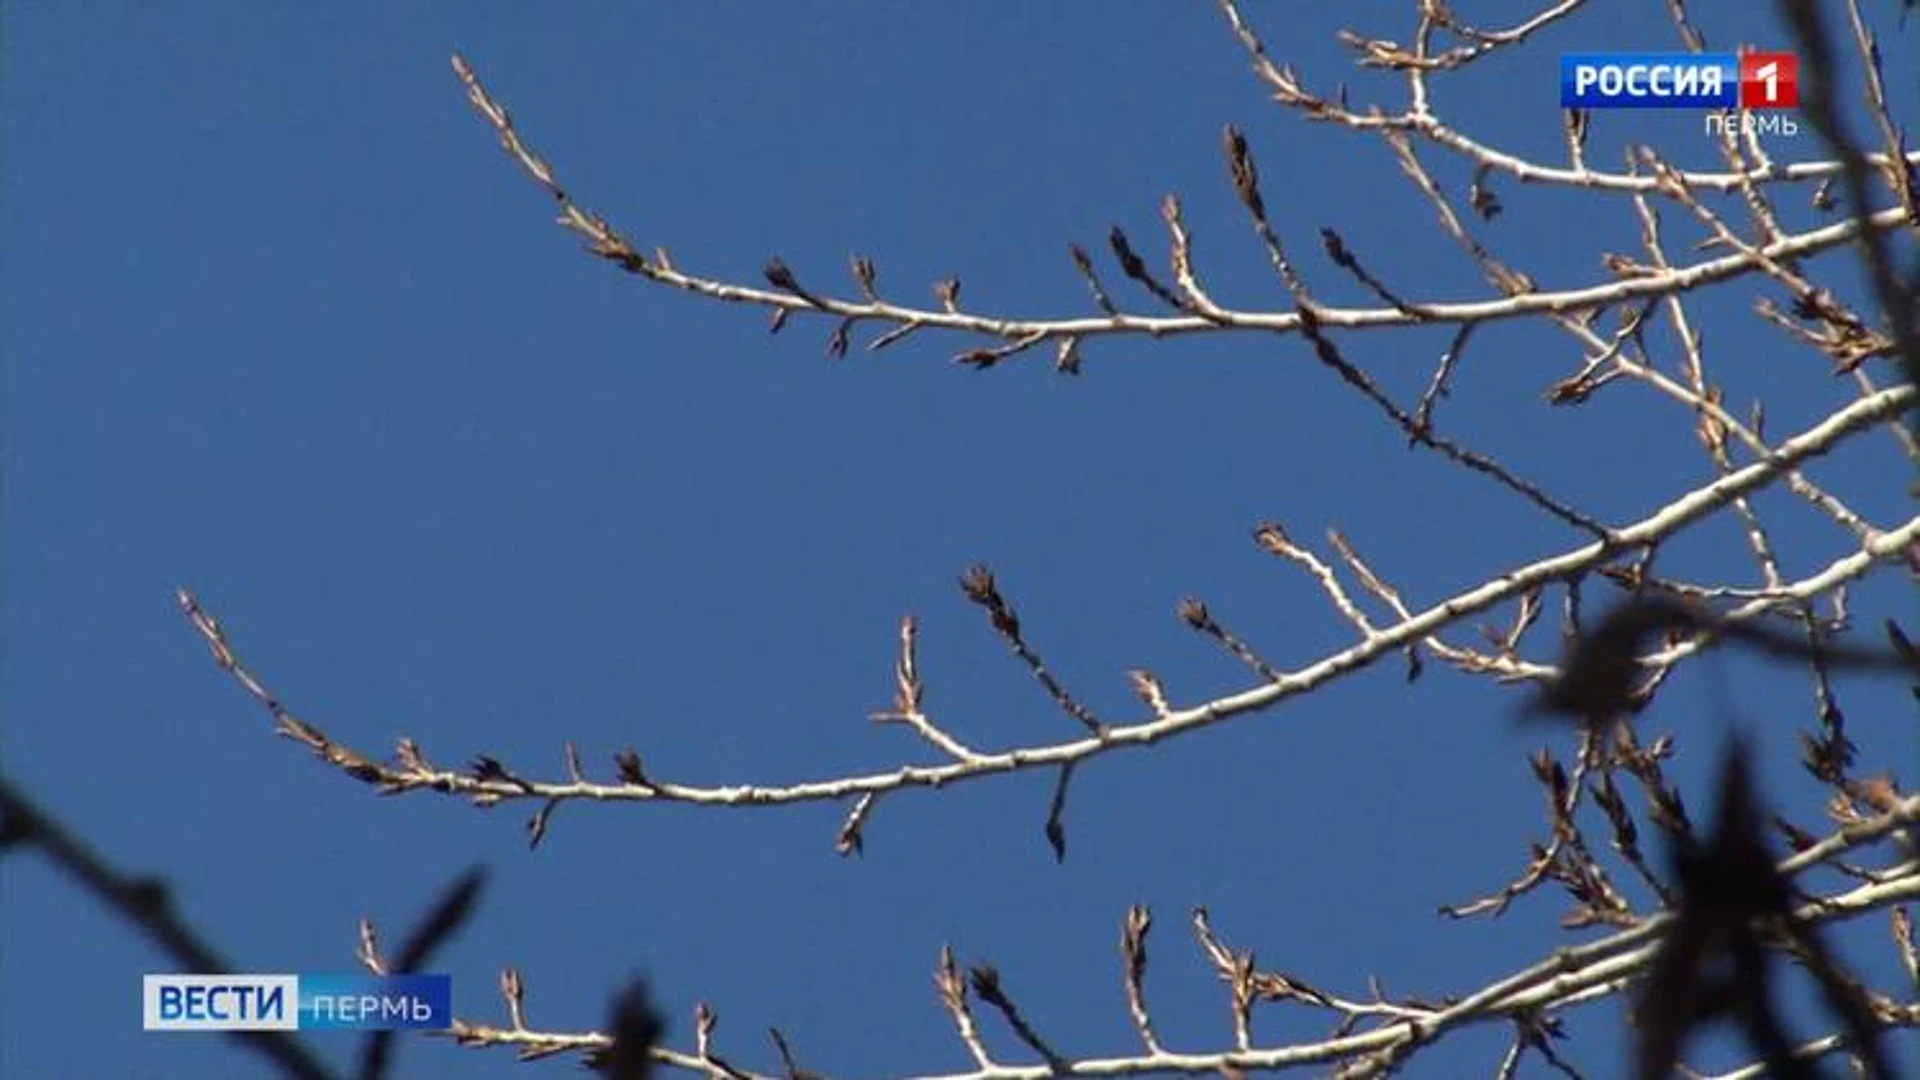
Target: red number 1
1769 80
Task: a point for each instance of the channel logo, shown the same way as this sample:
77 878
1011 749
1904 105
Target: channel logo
1659 80
297 1002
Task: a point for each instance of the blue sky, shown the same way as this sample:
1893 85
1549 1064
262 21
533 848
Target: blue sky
283 326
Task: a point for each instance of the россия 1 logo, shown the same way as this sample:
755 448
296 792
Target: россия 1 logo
1636 80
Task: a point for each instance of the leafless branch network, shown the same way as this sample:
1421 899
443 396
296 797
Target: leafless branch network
1722 899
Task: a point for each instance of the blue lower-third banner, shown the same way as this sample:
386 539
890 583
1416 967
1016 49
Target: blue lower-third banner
297 1002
